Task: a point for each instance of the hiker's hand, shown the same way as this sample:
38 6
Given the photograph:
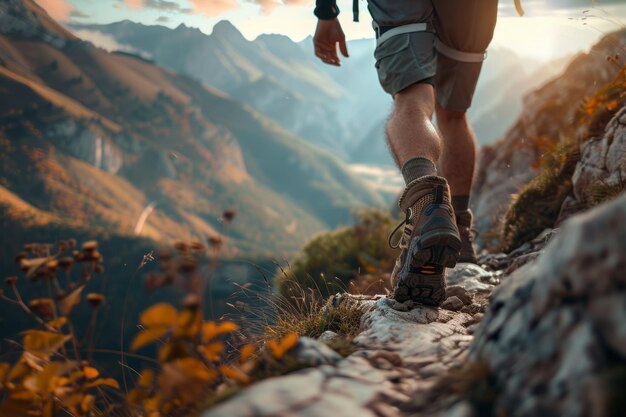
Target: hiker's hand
327 35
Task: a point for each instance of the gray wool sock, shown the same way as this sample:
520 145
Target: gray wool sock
418 167
460 202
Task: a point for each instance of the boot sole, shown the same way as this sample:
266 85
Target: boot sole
424 289
436 247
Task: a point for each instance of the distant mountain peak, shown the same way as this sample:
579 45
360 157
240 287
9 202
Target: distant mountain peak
225 29
277 36
188 29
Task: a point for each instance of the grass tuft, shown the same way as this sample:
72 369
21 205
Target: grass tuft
312 316
538 204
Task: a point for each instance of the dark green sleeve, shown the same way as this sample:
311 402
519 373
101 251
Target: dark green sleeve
326 9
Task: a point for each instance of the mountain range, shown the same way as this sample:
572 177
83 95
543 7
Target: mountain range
112 142
340 109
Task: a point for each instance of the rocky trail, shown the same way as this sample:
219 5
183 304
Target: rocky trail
540 331
403 351
550 331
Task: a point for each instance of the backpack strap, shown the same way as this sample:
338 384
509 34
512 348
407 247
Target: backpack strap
459 55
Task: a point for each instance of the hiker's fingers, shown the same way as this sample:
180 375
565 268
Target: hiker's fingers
327 55
343 47
327 59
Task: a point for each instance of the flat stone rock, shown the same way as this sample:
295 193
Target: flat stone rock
459 292
328 336
311 352
471 277
453 303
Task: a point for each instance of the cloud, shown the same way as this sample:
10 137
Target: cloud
60 10
163 19
267 6
106 41
553 7
166 6
212 8
77 14
298 3
134 4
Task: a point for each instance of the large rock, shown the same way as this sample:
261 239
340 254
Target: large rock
472 278
603 162
555 332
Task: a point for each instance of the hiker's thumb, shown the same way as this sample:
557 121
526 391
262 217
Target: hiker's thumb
342 47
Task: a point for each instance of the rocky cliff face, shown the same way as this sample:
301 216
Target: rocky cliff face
554 335
603 163
550 117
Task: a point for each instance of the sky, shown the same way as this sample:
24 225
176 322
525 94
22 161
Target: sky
549 29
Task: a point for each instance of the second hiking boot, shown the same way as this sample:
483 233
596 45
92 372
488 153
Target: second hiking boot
430 242
464 223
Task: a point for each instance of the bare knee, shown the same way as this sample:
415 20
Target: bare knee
415 100
450 118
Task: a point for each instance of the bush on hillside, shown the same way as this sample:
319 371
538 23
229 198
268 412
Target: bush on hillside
332 260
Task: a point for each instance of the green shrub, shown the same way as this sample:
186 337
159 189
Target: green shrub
330 261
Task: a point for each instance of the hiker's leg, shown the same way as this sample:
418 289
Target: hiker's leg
464 31
406 65
410 131
459 150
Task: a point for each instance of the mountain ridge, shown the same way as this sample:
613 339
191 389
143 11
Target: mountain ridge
102 118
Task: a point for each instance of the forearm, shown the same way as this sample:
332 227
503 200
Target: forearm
326 9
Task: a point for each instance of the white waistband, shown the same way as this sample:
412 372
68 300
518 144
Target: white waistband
413 27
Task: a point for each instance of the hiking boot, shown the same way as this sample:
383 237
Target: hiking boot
464 223
430 242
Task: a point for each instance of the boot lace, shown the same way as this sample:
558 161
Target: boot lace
391 235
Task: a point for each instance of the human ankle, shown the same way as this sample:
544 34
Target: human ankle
416 168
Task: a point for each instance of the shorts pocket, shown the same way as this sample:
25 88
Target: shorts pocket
391 46
405 59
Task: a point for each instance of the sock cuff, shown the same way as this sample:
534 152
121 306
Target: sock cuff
418 167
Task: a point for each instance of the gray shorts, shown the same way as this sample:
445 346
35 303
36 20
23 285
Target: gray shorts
454 26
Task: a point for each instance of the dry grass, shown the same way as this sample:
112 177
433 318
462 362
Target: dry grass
313 316
603 191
